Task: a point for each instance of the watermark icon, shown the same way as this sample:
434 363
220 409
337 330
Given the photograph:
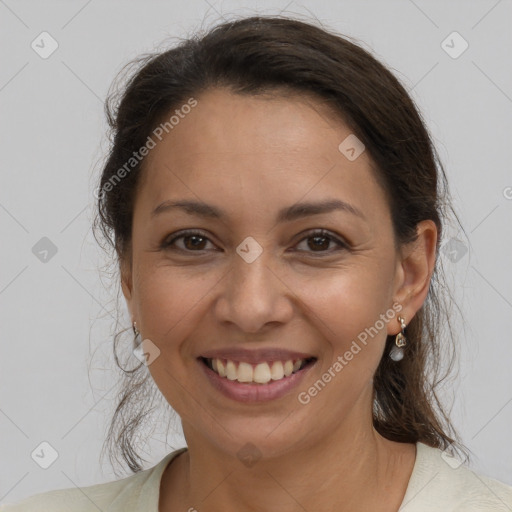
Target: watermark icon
454 45
507 193
304 397
143 151
452 461
249 455
44 455
44 250
44 45
249 250
146 352
454 250
351 147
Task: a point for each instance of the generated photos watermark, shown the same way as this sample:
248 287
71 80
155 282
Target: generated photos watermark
304 397
143 151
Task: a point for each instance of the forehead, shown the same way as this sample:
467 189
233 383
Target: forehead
265 149
224 122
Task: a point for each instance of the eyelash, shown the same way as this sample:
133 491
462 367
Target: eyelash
318 233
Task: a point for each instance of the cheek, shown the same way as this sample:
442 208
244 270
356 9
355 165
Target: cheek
350 345
168 301
345 308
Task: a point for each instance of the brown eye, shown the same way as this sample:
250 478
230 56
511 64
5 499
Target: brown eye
193 241
317 241
320 240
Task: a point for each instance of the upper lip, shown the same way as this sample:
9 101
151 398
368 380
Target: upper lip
255 355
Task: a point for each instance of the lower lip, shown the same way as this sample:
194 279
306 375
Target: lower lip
253 393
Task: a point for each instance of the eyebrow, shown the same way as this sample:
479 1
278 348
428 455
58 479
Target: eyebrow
288 214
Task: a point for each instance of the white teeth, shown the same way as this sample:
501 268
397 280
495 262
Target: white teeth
231 372
277 371
221 369
244 372
261 373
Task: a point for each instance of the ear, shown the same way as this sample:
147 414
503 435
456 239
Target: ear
125 268
414 271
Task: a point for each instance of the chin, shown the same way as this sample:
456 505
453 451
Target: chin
257 436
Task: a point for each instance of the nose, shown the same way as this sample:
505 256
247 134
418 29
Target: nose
254 295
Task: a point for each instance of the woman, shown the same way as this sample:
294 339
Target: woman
276 206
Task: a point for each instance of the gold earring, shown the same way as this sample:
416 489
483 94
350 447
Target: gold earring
135 330
397 352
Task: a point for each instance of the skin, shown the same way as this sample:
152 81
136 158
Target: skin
252 156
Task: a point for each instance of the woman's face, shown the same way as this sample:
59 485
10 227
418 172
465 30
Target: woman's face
254 284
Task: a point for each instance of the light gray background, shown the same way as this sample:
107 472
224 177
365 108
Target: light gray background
56 315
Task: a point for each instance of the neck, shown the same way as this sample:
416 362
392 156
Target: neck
366 472
360 471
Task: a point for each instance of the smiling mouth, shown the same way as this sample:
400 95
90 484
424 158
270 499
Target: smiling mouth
260 373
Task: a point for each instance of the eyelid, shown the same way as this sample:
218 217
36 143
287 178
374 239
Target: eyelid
314 232
170 239
323 233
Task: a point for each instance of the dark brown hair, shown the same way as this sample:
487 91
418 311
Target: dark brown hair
267 54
